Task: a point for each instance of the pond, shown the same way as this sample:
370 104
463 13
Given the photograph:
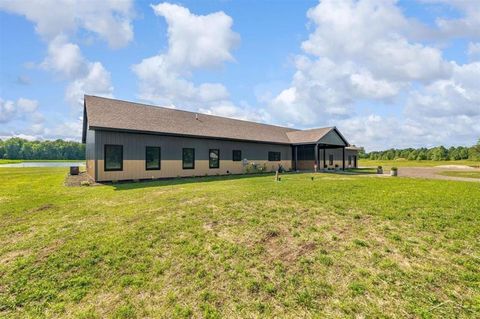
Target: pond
44 164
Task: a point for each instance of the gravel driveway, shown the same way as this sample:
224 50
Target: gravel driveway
432 172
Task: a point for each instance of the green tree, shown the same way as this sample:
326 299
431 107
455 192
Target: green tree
17 148
2 149
474 152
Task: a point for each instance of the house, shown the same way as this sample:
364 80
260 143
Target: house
131 141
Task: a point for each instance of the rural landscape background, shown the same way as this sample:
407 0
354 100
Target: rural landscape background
397 237
18 148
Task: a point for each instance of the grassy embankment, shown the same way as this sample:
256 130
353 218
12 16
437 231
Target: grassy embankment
407 163
337 246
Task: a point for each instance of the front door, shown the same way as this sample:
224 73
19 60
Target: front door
355 161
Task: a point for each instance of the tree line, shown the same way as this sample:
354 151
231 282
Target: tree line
19 148
439 153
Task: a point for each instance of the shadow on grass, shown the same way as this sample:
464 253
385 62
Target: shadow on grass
128 185
361 171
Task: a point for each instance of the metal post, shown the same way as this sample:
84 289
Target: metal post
343 158
316 157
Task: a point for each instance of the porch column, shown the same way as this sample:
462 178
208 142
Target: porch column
296 157
324 156
343 158
316 156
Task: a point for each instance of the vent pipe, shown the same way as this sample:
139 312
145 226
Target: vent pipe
196 116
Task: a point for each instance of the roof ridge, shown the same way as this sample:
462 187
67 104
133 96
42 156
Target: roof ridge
191 112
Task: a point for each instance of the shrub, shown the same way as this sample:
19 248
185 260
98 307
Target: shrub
394 169
85 183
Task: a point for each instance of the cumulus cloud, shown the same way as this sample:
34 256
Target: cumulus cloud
18 110
110 20
474 51
194 42
467 25
57 21
369 53
23 118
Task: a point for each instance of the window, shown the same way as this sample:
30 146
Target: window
330 159
237 155
188 158
349 159
113 160
273 156
152 158
214 158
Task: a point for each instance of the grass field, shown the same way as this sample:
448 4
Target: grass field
10 161
335 246
461 174
407 163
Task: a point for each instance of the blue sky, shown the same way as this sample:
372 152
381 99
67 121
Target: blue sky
388 74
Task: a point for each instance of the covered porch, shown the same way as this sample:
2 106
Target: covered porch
319 149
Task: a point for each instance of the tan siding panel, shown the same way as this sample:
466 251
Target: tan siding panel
90 153
171 149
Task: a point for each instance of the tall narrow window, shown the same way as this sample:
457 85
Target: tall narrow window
237 155
113 160
152 158
214 158
274 156
188 158
330 159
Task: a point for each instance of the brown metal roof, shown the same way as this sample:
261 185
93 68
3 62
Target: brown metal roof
308 136
105 113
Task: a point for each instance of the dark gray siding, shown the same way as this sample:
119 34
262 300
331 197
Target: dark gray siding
134 155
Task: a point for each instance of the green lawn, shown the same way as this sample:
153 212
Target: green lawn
10 161
406 163
335 246
461 174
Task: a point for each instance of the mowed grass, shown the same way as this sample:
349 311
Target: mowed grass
14 161
9 161
406 163
334 246
474 174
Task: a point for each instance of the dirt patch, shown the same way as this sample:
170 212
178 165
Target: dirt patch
280 245
42 208
12 256
454 166
76 180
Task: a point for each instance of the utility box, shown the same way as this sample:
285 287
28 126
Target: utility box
74 170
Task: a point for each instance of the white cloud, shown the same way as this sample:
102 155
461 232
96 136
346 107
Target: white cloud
369 53
19 110
195 42
468 25
474 51
110 20
57 21
457 96
96 82
163 84
65 58
372 34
